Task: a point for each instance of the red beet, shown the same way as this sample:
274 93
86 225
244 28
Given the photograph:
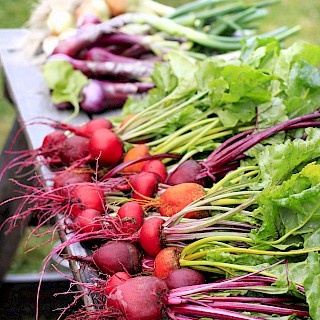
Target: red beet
131 215
115 280
116 256
91 126
158 167
144 185
140 298
53 140
88 220
185 172
184 277
51 146
70 177
74 149
106 147
87 196
150 236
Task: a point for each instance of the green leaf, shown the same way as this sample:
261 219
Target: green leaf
65 82
303 89
246 83
278 161
184 69
237 91
312 284
271 113
231 114
299 50
261 53
163 78
292 209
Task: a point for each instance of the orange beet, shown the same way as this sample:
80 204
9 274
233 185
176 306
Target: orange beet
116 7
138 151
177 197
126 119
166 261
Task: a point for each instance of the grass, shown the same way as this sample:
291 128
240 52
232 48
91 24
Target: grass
14 14
25 261
306 14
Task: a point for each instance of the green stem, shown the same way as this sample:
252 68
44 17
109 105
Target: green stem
173 144
230 176
202 121
193 6
199 122
224 266
162 114
159 8
189 20
265 252
247 175
198 140
234 21
141 116
194 246
170 27
191 139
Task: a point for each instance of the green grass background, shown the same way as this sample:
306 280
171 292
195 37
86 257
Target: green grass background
14 14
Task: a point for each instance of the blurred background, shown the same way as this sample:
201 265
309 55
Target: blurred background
14 14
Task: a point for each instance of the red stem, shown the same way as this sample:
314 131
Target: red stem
211 312
236 149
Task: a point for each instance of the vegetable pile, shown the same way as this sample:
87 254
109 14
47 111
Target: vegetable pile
53 20
201 200
114 59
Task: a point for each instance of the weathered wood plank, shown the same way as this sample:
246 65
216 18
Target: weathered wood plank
12 38
30 95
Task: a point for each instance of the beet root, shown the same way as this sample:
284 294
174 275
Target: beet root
150 235
186 172
115 280
144 185
116 256
184 277
140 298
68 178
131 215
166 261
177 197
86 196
74 149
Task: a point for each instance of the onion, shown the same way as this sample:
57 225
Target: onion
59 20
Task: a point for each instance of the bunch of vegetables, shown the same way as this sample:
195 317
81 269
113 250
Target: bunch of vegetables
222 299
258 250
228 243
107 55
51 21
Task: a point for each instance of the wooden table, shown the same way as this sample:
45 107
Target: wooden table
26 89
